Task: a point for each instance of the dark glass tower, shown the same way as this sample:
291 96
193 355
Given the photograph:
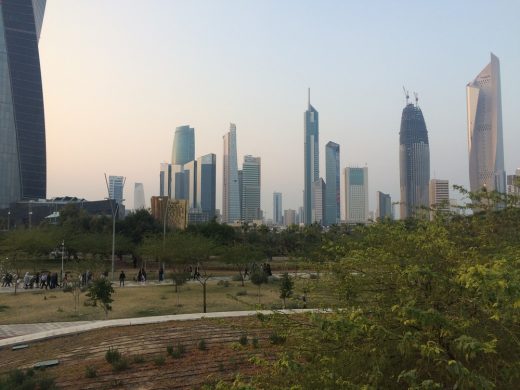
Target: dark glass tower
414 159
23 163
332 196
311 159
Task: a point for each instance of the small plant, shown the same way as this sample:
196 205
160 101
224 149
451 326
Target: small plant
202 345
112 355
138 359
178 352
120 365
221 367
159 360
236 278
169 349
90 372
223 283
255 342
276 339
243 339
241 293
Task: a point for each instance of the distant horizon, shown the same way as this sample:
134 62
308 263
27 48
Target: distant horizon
113 109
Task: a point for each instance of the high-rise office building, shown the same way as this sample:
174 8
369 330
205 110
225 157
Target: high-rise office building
240 191
485 142
311 158
356 195
277 208
139 196
513 183
251 181
207 184
23 161
289 217
414 160
183 150
332 174
165 180
384 205
115 188
318 206
439 196
190 174
299 215
230 189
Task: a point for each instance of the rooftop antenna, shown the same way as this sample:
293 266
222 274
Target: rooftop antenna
416 99
406 94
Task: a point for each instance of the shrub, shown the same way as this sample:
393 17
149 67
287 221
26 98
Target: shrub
90 372
159 360
112 355
241 293
223 283
169 349
120 365
255 342
178 352
276 339
243 339
202 345
138 359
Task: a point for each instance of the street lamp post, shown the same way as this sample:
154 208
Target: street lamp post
30 218
114 213
62 253
9 220
164 219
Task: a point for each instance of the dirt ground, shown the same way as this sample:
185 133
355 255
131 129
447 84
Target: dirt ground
223 359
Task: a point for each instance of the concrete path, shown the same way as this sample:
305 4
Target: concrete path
50 330
13 330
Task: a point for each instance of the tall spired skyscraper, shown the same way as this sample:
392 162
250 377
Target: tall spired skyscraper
485 144
23 162
414 160
311 159
230 190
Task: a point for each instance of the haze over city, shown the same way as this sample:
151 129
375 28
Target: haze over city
120 76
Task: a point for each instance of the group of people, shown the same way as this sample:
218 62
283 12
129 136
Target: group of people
39 280
265 268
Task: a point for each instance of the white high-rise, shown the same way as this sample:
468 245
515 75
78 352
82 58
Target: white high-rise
485 141
139 196
356 195
230 190
439 196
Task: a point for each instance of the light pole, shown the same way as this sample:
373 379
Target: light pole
164 218
9 220
62 252
30 217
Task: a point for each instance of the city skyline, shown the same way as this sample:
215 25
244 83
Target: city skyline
77 97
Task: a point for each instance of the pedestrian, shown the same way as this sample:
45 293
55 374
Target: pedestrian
161 274
122 278
139 276
144 275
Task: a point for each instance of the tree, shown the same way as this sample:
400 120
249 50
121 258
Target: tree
241 256
101 291
286 287
258 277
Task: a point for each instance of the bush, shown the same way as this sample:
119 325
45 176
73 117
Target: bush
159 361
202 345
112 355
18 379
169 349
120 365
241 293
243 339
178 352
90 372
138 359
276 339
255 342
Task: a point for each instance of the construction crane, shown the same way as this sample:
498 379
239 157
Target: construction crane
406 94
416 95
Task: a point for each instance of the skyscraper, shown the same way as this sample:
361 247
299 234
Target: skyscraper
332 195
414 160
206 184
485 143
289 217
439 196
183 150
277 208
356 195
189 175
139 196
513 183
23 161
318 198
251 181
230 191
116 186
311 158
165 180
384 205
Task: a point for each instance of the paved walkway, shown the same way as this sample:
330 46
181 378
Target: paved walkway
50 330
13 330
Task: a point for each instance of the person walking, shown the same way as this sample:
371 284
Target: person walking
122 278
161 274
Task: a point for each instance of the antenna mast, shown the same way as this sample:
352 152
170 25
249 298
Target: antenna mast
406 94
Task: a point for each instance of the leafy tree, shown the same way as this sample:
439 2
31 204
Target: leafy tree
241 256
101 291
258 277
286 287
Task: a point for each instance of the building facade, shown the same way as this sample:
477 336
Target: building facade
332 177
165 180
311 159
207 184
384 206
183 150
116 186
251 184
139 203
513 183
190 174
318 206
289 217
277 208
439 196
230 188
23 161
414 161
356 195
485 141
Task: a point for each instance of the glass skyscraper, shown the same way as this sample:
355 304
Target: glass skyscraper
23 163
251 181
414 161
332 174
485 141
139 202
183 150
206 184
311 159
384 205
230 189
277 208
356 195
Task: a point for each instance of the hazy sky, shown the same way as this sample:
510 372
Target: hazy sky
120 75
